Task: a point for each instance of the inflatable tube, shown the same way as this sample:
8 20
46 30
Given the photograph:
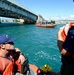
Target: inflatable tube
38 71
34 68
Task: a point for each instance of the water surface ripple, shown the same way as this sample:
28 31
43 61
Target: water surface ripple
39 44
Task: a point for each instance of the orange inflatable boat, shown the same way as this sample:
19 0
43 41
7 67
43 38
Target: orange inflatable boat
45 70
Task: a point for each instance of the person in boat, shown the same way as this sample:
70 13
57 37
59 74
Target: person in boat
65 42
12 60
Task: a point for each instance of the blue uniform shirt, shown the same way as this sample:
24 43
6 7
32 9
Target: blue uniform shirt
69 42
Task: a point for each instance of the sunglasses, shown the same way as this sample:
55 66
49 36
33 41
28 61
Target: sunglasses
9 43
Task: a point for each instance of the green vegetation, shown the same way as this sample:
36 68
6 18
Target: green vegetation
52 21
15 20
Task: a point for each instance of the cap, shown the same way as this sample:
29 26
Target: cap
4 38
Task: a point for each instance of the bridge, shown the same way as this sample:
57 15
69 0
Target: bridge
13 9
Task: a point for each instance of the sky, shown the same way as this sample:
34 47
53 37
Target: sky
51 9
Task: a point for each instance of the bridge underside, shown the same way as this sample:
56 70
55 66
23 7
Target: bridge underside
10 14
11 10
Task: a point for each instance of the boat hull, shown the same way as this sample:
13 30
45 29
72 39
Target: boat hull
46 26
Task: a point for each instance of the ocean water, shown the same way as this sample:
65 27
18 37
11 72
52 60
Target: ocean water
38 44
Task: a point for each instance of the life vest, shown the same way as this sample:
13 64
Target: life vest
8 70
17 65
65 30
9 66
6 66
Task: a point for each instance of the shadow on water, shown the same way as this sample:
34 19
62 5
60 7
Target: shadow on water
12 24
7 24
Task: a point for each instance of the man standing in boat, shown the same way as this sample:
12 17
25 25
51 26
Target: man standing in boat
12 60
66 47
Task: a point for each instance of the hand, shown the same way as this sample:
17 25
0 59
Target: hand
21 59
17 50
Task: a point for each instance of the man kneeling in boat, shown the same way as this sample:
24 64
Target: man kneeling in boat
12 61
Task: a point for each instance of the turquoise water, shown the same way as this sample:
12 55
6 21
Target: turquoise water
39 44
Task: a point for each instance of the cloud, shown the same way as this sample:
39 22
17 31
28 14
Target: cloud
70 17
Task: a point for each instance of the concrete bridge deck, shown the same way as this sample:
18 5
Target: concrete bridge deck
13 9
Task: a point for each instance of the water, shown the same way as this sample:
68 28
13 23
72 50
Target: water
39 44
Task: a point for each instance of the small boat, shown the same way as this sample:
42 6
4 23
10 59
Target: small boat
45 25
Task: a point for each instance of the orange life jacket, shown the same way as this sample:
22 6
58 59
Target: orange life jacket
65 30
19 67
7 66
8 70
16 61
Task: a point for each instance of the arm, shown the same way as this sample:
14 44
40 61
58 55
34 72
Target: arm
21 56
60 43
21 62
59 39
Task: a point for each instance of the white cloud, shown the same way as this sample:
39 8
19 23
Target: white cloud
70 17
